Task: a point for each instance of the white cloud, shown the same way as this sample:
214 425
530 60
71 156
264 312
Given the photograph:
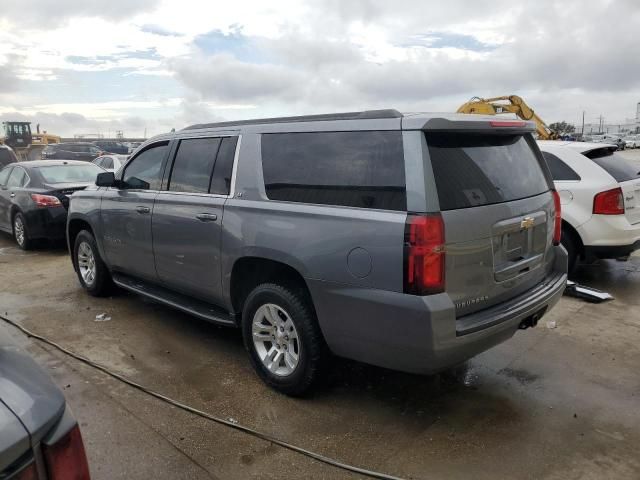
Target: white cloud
308 56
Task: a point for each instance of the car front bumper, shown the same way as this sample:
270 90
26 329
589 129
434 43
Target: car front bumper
422 334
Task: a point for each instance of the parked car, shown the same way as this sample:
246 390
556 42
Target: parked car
410 242
600 193
132 146
34 197
611 140
632 141
111 163
7 156
39 437
71 151
108 146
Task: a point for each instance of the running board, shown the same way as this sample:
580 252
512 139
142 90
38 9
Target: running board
589 294
190 305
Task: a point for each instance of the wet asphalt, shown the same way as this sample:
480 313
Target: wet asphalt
551 403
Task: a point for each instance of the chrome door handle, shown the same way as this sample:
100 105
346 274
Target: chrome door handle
143 209
207 217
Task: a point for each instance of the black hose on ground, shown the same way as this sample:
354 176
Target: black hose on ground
200 413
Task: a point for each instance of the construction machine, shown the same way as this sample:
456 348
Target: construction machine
25 144
508 104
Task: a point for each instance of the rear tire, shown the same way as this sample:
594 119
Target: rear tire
92 272
21 232
572 246
283 339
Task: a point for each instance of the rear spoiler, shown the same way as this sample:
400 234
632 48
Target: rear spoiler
482 124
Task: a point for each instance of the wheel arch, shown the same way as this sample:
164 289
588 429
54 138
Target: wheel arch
580 245
250 271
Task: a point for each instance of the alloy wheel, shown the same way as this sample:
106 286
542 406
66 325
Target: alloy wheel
275 339
86 263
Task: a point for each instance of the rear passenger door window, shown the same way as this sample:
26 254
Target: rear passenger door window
18 178
221 179
362 169
4 175
559 170
193 165
144 172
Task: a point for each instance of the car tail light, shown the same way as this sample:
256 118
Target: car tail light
45 200
66 459
29 473
557 218
508 124
424 254
610 202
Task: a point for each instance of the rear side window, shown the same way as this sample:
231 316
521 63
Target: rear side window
354 169
559 170
482 169
107 162
617 167
4 175
18 178
193 165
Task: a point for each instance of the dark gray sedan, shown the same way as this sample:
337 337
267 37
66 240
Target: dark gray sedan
39 438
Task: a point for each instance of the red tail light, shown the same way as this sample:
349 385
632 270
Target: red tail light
66 459
610 202
45 200
557 225
508 124
29 473
424 254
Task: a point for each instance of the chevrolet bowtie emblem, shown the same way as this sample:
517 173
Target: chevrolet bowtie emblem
526 223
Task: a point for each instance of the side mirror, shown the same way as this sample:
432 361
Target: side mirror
106 179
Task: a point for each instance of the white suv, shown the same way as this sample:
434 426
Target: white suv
600 196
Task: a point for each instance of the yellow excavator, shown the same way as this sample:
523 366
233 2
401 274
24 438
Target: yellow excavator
508 104
27 146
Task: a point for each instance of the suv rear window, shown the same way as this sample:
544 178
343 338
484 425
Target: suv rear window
615 165
472 170
354 169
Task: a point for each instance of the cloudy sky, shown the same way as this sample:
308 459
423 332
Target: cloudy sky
84 66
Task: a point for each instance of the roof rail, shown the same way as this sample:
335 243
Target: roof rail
366 115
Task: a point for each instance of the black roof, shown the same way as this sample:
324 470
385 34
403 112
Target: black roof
365 115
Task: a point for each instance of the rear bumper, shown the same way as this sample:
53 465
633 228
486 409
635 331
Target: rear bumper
607 232
615 251
421 334
50 222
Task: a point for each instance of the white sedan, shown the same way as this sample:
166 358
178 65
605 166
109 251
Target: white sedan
600 196
111 162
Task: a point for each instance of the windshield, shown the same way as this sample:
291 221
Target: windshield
70 173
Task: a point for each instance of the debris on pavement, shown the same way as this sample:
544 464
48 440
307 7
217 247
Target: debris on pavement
102 317
551 324
589 294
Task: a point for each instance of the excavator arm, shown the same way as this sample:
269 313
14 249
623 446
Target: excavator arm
508 104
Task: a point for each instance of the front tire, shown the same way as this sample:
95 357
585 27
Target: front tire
92 272
283 339
21 232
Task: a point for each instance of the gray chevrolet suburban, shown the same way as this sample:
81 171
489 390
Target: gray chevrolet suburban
412 242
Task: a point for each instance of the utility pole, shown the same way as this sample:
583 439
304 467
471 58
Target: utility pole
583 123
